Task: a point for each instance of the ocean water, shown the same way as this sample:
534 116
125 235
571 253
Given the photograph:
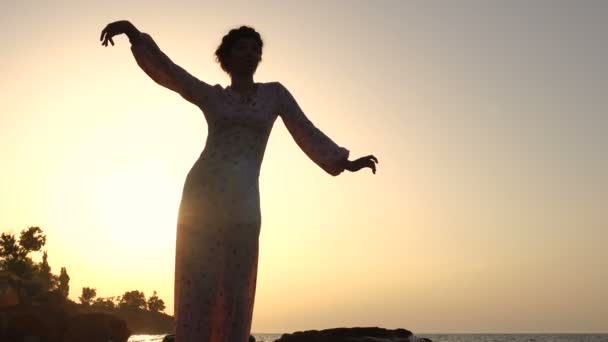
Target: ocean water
446 337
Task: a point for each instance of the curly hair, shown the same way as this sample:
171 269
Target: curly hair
223 51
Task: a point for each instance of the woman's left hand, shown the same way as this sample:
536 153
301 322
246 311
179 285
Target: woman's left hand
367 161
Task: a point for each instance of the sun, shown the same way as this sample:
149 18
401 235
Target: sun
138 204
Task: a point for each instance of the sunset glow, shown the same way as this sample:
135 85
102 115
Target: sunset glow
487 213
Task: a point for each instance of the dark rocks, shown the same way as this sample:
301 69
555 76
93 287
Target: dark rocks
19 322
358 334
343 335
146 322
96 327
171 338
56 323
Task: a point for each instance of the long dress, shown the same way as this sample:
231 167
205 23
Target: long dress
219 219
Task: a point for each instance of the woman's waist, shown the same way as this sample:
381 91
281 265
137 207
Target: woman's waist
246 156
243 173
238 166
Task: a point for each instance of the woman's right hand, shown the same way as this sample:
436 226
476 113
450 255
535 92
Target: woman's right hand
113 29
367 161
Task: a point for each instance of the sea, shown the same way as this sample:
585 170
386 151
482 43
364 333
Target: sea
445 337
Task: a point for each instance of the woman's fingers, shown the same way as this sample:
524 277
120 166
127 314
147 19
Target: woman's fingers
106 30
107 33
367 161
371 165
370 161
370 157
363 162
107 39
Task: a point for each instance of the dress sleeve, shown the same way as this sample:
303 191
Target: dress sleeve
163 71
313 142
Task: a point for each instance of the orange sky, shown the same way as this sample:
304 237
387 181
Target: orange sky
487 210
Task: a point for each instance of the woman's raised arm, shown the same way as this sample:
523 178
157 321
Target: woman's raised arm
158 65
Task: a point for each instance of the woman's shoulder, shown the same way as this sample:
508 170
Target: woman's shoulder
271 84
274 87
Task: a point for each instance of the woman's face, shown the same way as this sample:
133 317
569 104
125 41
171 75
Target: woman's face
245 56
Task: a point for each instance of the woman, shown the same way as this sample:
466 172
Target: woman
219 215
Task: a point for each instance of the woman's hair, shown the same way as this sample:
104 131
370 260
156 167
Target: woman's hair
223 51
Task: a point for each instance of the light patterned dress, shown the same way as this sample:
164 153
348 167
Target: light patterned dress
219 217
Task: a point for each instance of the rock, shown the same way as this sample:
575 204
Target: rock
146 322
96 327
171 338
21 322
358 334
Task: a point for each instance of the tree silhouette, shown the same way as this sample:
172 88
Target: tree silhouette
135 300
8 247
64 280
39 284
45 275
13 255
87 295
155 304
104 303
31 240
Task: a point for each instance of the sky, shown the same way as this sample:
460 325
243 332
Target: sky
488 118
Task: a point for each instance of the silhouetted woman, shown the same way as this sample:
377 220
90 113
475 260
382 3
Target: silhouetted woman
219 218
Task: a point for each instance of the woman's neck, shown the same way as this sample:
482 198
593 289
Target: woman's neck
242 83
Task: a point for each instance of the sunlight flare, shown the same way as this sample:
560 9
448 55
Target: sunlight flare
138 204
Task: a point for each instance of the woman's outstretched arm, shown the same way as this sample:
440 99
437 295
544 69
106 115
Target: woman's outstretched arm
158 65
316 145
